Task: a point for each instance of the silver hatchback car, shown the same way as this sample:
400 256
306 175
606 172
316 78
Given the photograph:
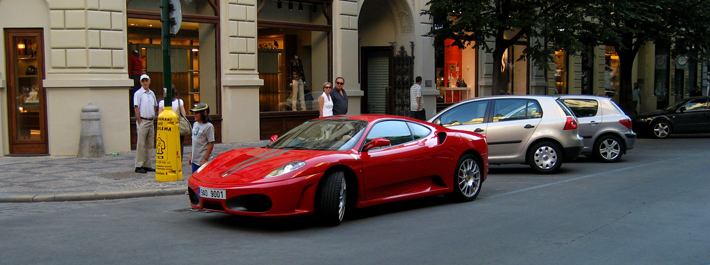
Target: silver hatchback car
606 129
531 129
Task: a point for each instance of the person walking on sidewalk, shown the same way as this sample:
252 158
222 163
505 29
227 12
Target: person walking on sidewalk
416 100
635 96
144 105
202 137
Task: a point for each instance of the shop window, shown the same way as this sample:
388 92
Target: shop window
662 74
561 63
294 54
611 71
515 69
194 50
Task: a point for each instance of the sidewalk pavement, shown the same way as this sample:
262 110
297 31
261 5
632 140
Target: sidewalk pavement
52 178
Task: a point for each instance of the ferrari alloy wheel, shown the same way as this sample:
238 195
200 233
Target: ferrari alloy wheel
661 129
545 157
608 148
332 198
468 178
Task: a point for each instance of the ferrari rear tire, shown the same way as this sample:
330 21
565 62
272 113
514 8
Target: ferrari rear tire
608 148
468 178
332 198
545 157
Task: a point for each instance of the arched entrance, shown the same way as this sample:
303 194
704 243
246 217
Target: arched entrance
383 29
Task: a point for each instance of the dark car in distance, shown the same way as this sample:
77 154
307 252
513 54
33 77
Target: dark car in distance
690 115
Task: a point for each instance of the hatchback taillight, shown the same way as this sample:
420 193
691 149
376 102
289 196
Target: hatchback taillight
626 123
571 124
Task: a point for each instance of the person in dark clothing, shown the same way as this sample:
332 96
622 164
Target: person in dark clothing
340 98
135 68
697 92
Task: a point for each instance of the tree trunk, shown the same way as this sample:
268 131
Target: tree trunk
500 83
626 65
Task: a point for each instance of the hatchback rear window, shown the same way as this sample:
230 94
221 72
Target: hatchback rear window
582 107
564 107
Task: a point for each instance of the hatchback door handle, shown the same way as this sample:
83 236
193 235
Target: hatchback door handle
593 123
478 130
528 126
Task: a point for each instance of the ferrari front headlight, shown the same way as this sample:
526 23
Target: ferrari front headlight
290 167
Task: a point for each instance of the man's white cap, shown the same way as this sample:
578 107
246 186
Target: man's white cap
145 76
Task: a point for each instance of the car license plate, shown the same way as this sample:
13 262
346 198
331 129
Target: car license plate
213 193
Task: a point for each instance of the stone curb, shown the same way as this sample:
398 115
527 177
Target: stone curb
4 198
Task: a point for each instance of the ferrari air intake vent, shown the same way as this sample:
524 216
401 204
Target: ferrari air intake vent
194 199
442 137
250 203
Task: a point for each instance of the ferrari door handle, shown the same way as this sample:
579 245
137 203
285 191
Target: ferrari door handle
478 130
529 126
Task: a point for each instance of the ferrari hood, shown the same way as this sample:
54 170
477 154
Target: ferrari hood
247 165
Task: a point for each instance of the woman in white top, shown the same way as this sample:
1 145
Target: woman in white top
325 103
176 104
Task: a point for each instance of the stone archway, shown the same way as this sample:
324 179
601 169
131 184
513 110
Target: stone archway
382 29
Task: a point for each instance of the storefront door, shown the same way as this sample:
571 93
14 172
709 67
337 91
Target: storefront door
27 128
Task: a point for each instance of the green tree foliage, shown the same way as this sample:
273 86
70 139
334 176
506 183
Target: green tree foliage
494 26
627 25
576 25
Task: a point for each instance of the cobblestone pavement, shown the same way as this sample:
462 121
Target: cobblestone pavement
50 178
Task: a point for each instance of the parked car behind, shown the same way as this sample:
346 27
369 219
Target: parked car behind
605 128
532 129
690 115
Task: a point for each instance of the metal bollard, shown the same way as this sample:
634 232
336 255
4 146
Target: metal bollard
91 143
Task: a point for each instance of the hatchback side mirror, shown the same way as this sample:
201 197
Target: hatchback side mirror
681 109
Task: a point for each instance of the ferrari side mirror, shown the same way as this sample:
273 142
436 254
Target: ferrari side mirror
274 138
377 142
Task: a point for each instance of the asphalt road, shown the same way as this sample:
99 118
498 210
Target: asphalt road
653 207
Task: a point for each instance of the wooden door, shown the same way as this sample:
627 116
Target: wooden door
26 98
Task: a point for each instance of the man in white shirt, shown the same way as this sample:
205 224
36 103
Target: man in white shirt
416 100
144 104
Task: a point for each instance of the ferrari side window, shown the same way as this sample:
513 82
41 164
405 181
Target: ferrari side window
419 131
395 131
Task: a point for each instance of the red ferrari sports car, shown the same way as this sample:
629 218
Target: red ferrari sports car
324 166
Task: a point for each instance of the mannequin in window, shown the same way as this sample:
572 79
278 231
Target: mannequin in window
298 81
135 68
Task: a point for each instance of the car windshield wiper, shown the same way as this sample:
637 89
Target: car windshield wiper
297 148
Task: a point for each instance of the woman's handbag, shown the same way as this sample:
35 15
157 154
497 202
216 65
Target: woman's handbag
185 127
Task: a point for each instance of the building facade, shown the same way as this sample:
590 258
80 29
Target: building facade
235 55
467 73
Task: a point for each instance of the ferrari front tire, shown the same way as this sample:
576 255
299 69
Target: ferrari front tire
468 178
332 198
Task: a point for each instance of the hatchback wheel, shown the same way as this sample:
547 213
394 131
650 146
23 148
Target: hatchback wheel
661 129
467 181
608 148
545 157
332 198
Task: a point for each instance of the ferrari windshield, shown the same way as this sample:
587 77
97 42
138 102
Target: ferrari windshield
325 134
